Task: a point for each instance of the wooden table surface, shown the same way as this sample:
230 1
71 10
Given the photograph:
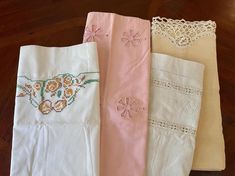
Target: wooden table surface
61 23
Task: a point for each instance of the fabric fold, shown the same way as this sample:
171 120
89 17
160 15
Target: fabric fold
124 57
56 122
175 102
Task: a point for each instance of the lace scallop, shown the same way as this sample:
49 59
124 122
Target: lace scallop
182 33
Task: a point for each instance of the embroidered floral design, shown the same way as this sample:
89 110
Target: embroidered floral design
37 85
129 106
68 92
131 38
67 81
45 106
53 94
60 105
182 33
53 86
92 33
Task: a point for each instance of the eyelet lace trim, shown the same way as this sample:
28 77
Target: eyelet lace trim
188 90
182 33
172 126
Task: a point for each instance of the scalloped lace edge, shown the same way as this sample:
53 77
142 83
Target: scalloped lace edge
182 33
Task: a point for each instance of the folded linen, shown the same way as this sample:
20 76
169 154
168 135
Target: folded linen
196 41
124 55
57 123
175 102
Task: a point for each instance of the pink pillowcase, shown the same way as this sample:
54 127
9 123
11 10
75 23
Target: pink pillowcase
124 58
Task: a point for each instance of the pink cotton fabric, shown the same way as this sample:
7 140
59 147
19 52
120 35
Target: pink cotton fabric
124 58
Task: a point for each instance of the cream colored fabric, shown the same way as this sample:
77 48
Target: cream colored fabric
196 41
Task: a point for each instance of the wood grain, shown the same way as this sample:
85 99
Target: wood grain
61 23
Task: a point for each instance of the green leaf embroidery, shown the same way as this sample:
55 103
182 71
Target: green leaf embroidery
91 80
59 93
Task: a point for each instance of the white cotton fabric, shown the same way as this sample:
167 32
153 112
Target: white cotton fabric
63 141
175 101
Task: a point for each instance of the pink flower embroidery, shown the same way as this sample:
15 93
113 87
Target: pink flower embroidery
92 33
131 38
128 106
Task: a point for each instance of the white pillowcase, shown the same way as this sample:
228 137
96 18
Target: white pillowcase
57 123
175 102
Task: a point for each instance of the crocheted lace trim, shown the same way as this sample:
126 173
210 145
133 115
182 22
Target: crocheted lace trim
182 33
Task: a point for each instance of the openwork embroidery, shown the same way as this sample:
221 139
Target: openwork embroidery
188 90
182 33
131 38
53 94
172 126
129 106
92 33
